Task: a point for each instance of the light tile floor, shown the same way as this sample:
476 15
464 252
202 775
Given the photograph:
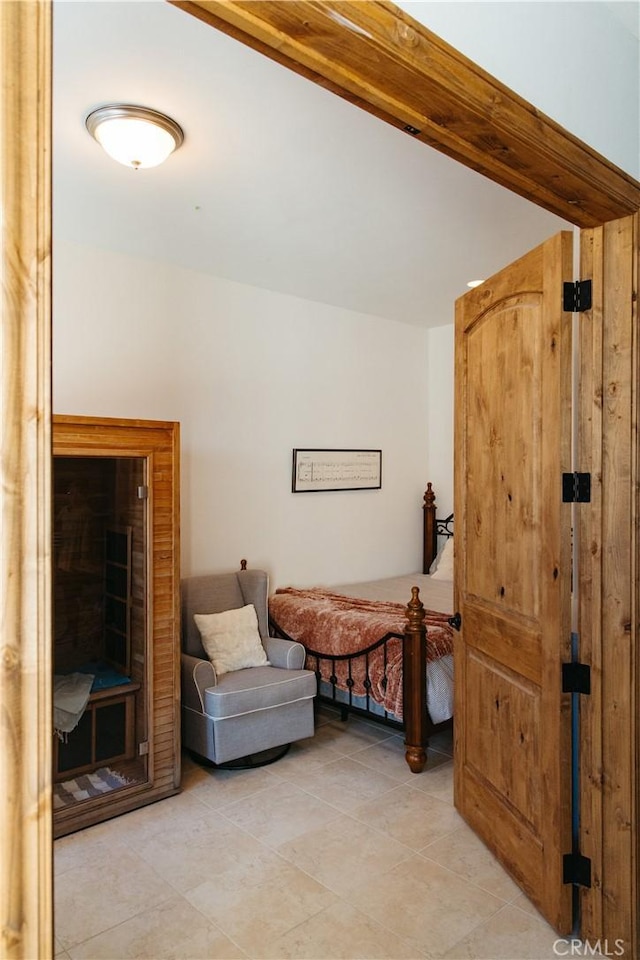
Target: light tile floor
335 851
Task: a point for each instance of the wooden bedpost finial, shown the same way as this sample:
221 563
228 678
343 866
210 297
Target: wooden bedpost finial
415 610
243 565
429 496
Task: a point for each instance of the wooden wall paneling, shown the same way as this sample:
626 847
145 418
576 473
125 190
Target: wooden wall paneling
25 499
158 442
608 545
382 60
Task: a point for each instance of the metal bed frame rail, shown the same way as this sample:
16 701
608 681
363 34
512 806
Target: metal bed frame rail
327 674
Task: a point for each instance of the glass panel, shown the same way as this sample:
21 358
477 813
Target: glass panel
100 616
76 751
111 733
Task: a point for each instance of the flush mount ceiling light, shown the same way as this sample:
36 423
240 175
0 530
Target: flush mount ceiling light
135 136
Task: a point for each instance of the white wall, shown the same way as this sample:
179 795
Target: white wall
573 60
250 374
440 346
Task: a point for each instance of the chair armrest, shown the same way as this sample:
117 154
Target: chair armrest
287 654
197 676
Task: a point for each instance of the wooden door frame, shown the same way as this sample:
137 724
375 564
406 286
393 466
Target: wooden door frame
25 491
383 61
608 552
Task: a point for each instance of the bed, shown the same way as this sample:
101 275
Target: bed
383 648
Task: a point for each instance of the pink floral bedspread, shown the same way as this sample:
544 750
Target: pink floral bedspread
332 624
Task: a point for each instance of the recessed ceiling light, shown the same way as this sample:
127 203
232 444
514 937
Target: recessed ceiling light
135 136
474 283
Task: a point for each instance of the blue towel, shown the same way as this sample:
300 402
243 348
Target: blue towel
104 675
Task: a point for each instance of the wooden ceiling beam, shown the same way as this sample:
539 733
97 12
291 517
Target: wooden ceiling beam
377 57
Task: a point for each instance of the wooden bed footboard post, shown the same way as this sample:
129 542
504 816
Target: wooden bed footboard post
414 672
430 529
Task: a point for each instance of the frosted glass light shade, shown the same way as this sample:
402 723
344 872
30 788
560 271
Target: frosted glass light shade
134 136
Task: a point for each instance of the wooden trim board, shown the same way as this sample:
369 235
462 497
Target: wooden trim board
381 59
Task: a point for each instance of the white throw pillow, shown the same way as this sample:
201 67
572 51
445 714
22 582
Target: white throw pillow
444 565
231 639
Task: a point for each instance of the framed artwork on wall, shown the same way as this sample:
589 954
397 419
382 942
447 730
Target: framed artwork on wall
316 470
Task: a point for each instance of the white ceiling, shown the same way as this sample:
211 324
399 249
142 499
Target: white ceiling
627 13
279 184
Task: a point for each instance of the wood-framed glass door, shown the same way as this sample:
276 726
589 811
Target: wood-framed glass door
100 630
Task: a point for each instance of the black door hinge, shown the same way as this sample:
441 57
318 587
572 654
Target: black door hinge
576 488
576 678
576 869
577 296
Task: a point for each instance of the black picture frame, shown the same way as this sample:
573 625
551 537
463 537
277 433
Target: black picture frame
323 469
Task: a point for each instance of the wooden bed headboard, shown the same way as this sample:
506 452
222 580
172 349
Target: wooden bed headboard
433 528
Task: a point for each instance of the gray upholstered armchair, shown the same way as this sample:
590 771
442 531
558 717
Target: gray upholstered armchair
242 712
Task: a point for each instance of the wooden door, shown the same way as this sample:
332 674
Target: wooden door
513 570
